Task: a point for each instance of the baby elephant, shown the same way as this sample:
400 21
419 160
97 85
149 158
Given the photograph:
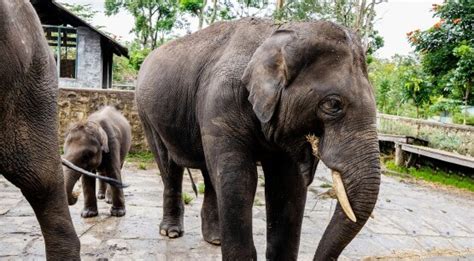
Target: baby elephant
98 145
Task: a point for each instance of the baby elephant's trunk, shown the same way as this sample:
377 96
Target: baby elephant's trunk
72 173
70 179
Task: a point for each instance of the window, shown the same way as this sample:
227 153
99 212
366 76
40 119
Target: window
63 42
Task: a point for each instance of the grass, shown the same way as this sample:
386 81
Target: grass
258 202
187 198
435 176
142 165
142 156
201 188
325 185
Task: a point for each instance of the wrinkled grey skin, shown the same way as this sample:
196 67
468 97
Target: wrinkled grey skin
239 92
29 156
99 144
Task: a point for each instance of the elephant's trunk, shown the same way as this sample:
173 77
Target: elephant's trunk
360 180
70 179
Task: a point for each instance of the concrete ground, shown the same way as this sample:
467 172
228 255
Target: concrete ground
411 221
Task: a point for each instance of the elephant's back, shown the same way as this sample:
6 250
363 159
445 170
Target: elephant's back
175 81
180 67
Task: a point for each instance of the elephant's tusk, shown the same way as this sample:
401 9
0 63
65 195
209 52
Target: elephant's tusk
342 196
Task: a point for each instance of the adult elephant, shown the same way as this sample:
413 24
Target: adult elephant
250 90
29 151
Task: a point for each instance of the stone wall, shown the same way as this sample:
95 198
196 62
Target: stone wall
450 137
78 104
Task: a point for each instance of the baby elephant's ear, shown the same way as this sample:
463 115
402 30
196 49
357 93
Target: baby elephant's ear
267 74
104 141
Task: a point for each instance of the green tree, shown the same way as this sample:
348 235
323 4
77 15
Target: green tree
196 8
401 86
416 87
153 18
216 10
84 11
358 15
446 50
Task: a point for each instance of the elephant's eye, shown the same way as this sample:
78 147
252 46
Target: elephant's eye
88 154
331 105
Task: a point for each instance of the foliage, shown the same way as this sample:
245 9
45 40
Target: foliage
123 71
460 118
436 176
446 50
216 10
142 156
187 198
401 86
440 104
201 188
196 8
354 14
461 142
416 86
84 11
126 70
137 56
142 166
153 18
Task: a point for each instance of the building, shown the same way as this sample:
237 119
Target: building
84 55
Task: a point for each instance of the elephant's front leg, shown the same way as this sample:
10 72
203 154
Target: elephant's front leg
90 201
102 188
237 181
285 197
116 194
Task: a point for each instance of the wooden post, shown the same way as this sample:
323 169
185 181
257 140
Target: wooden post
399 155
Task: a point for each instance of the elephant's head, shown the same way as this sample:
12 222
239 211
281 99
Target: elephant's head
83 147
311 78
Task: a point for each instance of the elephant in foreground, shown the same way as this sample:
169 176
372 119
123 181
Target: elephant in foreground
251 90
98 144
29 154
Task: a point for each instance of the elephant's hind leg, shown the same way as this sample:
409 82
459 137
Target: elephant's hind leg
209 213
173 208
172 176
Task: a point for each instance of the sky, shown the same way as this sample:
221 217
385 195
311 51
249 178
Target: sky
394 19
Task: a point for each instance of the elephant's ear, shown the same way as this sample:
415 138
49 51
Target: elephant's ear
104 141
267 74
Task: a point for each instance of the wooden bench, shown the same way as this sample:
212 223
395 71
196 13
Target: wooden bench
407 149
441 155
401 139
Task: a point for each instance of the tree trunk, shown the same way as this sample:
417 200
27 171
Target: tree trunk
201 14
279 5
466 99
214 11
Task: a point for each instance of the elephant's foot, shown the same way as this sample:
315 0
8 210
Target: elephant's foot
171 229
117 211
108 196
212 239
101 195
210 227
89 212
